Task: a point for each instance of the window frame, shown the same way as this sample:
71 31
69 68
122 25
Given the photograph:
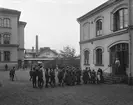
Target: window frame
99 27
6 38
7 58
120 19
99 56
86 57
6 23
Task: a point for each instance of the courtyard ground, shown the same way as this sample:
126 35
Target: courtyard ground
20 92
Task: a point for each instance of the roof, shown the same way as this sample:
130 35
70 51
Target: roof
104 5
30 51
47 49
22 23
10 11
38 59
40 52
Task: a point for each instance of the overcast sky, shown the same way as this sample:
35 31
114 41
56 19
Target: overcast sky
53 20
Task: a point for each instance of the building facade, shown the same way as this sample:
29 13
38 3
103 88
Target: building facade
104 38
11 38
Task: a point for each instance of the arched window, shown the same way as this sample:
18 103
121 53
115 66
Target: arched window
86 57
99 56
120 19
1 22
6 55
6 22
99 27
6 39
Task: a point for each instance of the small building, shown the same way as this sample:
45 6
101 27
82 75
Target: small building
11 38
44 55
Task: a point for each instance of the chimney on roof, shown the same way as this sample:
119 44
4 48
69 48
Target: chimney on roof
32 49
36 44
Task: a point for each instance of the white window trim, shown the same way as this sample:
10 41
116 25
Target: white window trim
96 19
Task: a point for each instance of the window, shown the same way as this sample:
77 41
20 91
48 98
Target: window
6 22
6 39
86 57
120 19
1 22
6 55
99 56
99 27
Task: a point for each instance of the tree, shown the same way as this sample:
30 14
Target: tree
67 57
68 52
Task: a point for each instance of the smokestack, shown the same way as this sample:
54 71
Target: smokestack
36 44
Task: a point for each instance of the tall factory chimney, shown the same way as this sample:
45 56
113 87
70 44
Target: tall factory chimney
36 44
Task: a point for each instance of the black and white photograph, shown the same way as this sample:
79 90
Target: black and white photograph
66 52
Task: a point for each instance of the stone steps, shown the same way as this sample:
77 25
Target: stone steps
114 79
108 80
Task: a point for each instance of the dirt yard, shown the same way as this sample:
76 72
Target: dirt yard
20 92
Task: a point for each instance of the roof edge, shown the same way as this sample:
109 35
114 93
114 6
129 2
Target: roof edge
22 23
102 6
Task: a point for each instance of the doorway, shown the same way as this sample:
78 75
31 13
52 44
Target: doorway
119 51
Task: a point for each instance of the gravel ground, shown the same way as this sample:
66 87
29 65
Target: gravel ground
20 92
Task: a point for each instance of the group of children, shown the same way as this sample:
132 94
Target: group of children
36 74
66 76
91 76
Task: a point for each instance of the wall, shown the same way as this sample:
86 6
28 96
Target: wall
14 26
17 37
89 25
21 35
13 58
107 23
21 55
103 43
13 30
21 41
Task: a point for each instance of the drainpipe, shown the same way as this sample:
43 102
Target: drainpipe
130 42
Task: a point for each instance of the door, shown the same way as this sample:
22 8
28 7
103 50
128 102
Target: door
119 51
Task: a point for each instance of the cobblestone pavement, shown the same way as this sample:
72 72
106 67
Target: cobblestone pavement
20 92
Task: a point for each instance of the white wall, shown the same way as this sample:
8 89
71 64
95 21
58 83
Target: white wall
21 36
103 43
107 22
